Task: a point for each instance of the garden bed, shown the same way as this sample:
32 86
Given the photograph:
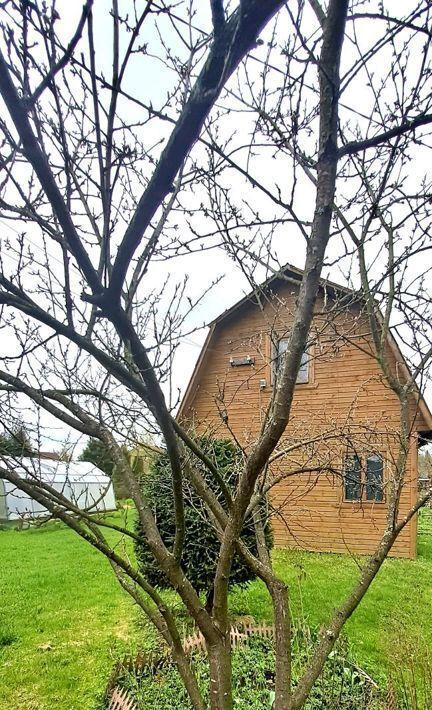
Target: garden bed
156 683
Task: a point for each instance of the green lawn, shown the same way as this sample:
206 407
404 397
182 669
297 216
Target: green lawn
390 625
64 620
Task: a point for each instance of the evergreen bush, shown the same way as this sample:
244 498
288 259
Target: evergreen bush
201 544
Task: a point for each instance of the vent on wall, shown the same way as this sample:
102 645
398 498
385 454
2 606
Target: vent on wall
239 361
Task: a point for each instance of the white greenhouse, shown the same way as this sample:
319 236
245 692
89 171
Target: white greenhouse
82 483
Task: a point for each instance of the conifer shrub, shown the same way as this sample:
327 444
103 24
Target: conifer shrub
201 544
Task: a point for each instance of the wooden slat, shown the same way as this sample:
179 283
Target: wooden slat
346 383
120 700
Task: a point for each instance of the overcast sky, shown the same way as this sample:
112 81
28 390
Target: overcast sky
150 81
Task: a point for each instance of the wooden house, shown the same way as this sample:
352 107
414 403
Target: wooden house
330 476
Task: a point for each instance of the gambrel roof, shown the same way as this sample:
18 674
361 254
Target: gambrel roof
294 275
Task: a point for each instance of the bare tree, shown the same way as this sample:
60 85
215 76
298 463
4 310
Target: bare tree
109 178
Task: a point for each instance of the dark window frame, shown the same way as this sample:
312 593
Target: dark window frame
362 481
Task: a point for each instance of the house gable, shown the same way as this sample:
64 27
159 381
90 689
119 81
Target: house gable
230 392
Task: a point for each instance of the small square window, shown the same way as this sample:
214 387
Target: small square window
279 352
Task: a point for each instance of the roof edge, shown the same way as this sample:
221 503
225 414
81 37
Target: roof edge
195 371
287 273
295 275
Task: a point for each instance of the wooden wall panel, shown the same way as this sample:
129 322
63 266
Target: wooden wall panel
346 394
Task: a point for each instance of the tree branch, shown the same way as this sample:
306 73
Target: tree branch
38 161
406 127
31 100
245 25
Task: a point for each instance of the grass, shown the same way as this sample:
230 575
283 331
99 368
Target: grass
64 620
389 626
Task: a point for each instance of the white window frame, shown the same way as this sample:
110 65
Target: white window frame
304 373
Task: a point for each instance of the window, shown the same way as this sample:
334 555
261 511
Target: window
280 350
352 478
374 478
363 478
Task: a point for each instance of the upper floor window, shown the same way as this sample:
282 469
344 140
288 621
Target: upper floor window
364 478
280 350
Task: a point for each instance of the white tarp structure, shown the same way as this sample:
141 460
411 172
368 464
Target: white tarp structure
82 483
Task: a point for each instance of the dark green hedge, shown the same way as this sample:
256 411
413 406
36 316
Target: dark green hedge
201 546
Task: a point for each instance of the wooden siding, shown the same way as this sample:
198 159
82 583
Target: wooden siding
345 400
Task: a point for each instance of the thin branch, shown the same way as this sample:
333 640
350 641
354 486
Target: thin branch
40 164
245 25
405 127
31 100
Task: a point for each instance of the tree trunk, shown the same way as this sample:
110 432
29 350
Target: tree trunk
282 623
188 679
220 675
